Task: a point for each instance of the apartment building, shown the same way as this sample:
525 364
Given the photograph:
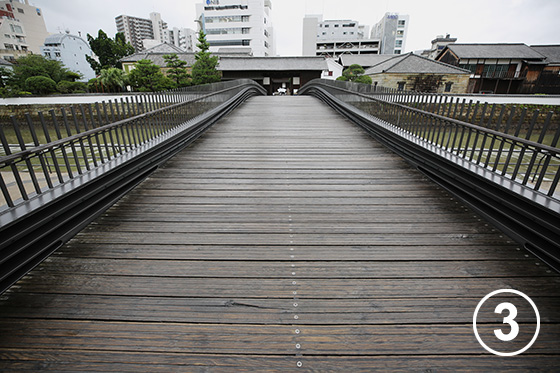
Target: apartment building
231 24
135 30
22 29
332 38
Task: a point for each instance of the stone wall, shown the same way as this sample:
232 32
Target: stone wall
423 82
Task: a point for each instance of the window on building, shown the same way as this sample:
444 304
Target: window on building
57 54
400 33
401 23
495 71
470 67
400 86
226 19
397 51
336 25
7 36
448 86
398 44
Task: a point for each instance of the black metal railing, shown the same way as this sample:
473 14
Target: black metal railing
516 143
506 162
62 169
40 151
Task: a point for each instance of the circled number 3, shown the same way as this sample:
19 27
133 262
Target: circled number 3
510 319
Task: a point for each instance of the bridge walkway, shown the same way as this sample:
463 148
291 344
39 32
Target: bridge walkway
285 238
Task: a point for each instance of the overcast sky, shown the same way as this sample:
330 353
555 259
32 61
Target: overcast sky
474 21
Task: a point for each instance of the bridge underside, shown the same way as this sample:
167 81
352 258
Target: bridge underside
284 238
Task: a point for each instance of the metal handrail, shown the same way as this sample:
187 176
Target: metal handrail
7 160
402 110
39 222
447 151
107 139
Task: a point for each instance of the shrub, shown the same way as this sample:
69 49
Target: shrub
40 85
70 87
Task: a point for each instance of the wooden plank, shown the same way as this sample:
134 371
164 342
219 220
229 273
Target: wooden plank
306 269
275 288
367 311
411 252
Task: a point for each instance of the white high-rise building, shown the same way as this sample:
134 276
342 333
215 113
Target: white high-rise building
392 30
184 38
331 38
237 24
160 28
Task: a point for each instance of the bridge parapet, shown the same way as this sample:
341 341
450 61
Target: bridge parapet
505 164
61 170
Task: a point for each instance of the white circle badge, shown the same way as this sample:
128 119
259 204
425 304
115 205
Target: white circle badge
510 319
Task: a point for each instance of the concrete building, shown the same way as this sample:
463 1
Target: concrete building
332 38
410 72
22 29
237 23
392 31
71 50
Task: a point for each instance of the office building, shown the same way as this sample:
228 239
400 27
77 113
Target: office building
391 30
332 38
231 24
22 29
71 51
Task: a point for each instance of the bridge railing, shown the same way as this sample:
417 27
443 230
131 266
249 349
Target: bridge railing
59 170
506 164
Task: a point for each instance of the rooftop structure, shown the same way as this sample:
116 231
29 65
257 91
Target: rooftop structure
332 38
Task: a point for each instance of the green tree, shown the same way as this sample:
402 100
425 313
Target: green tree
108 51
147 77
40 85
177 70
37 65
112 79
204 70
354 74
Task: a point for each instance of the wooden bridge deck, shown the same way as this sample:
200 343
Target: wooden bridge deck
283 239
